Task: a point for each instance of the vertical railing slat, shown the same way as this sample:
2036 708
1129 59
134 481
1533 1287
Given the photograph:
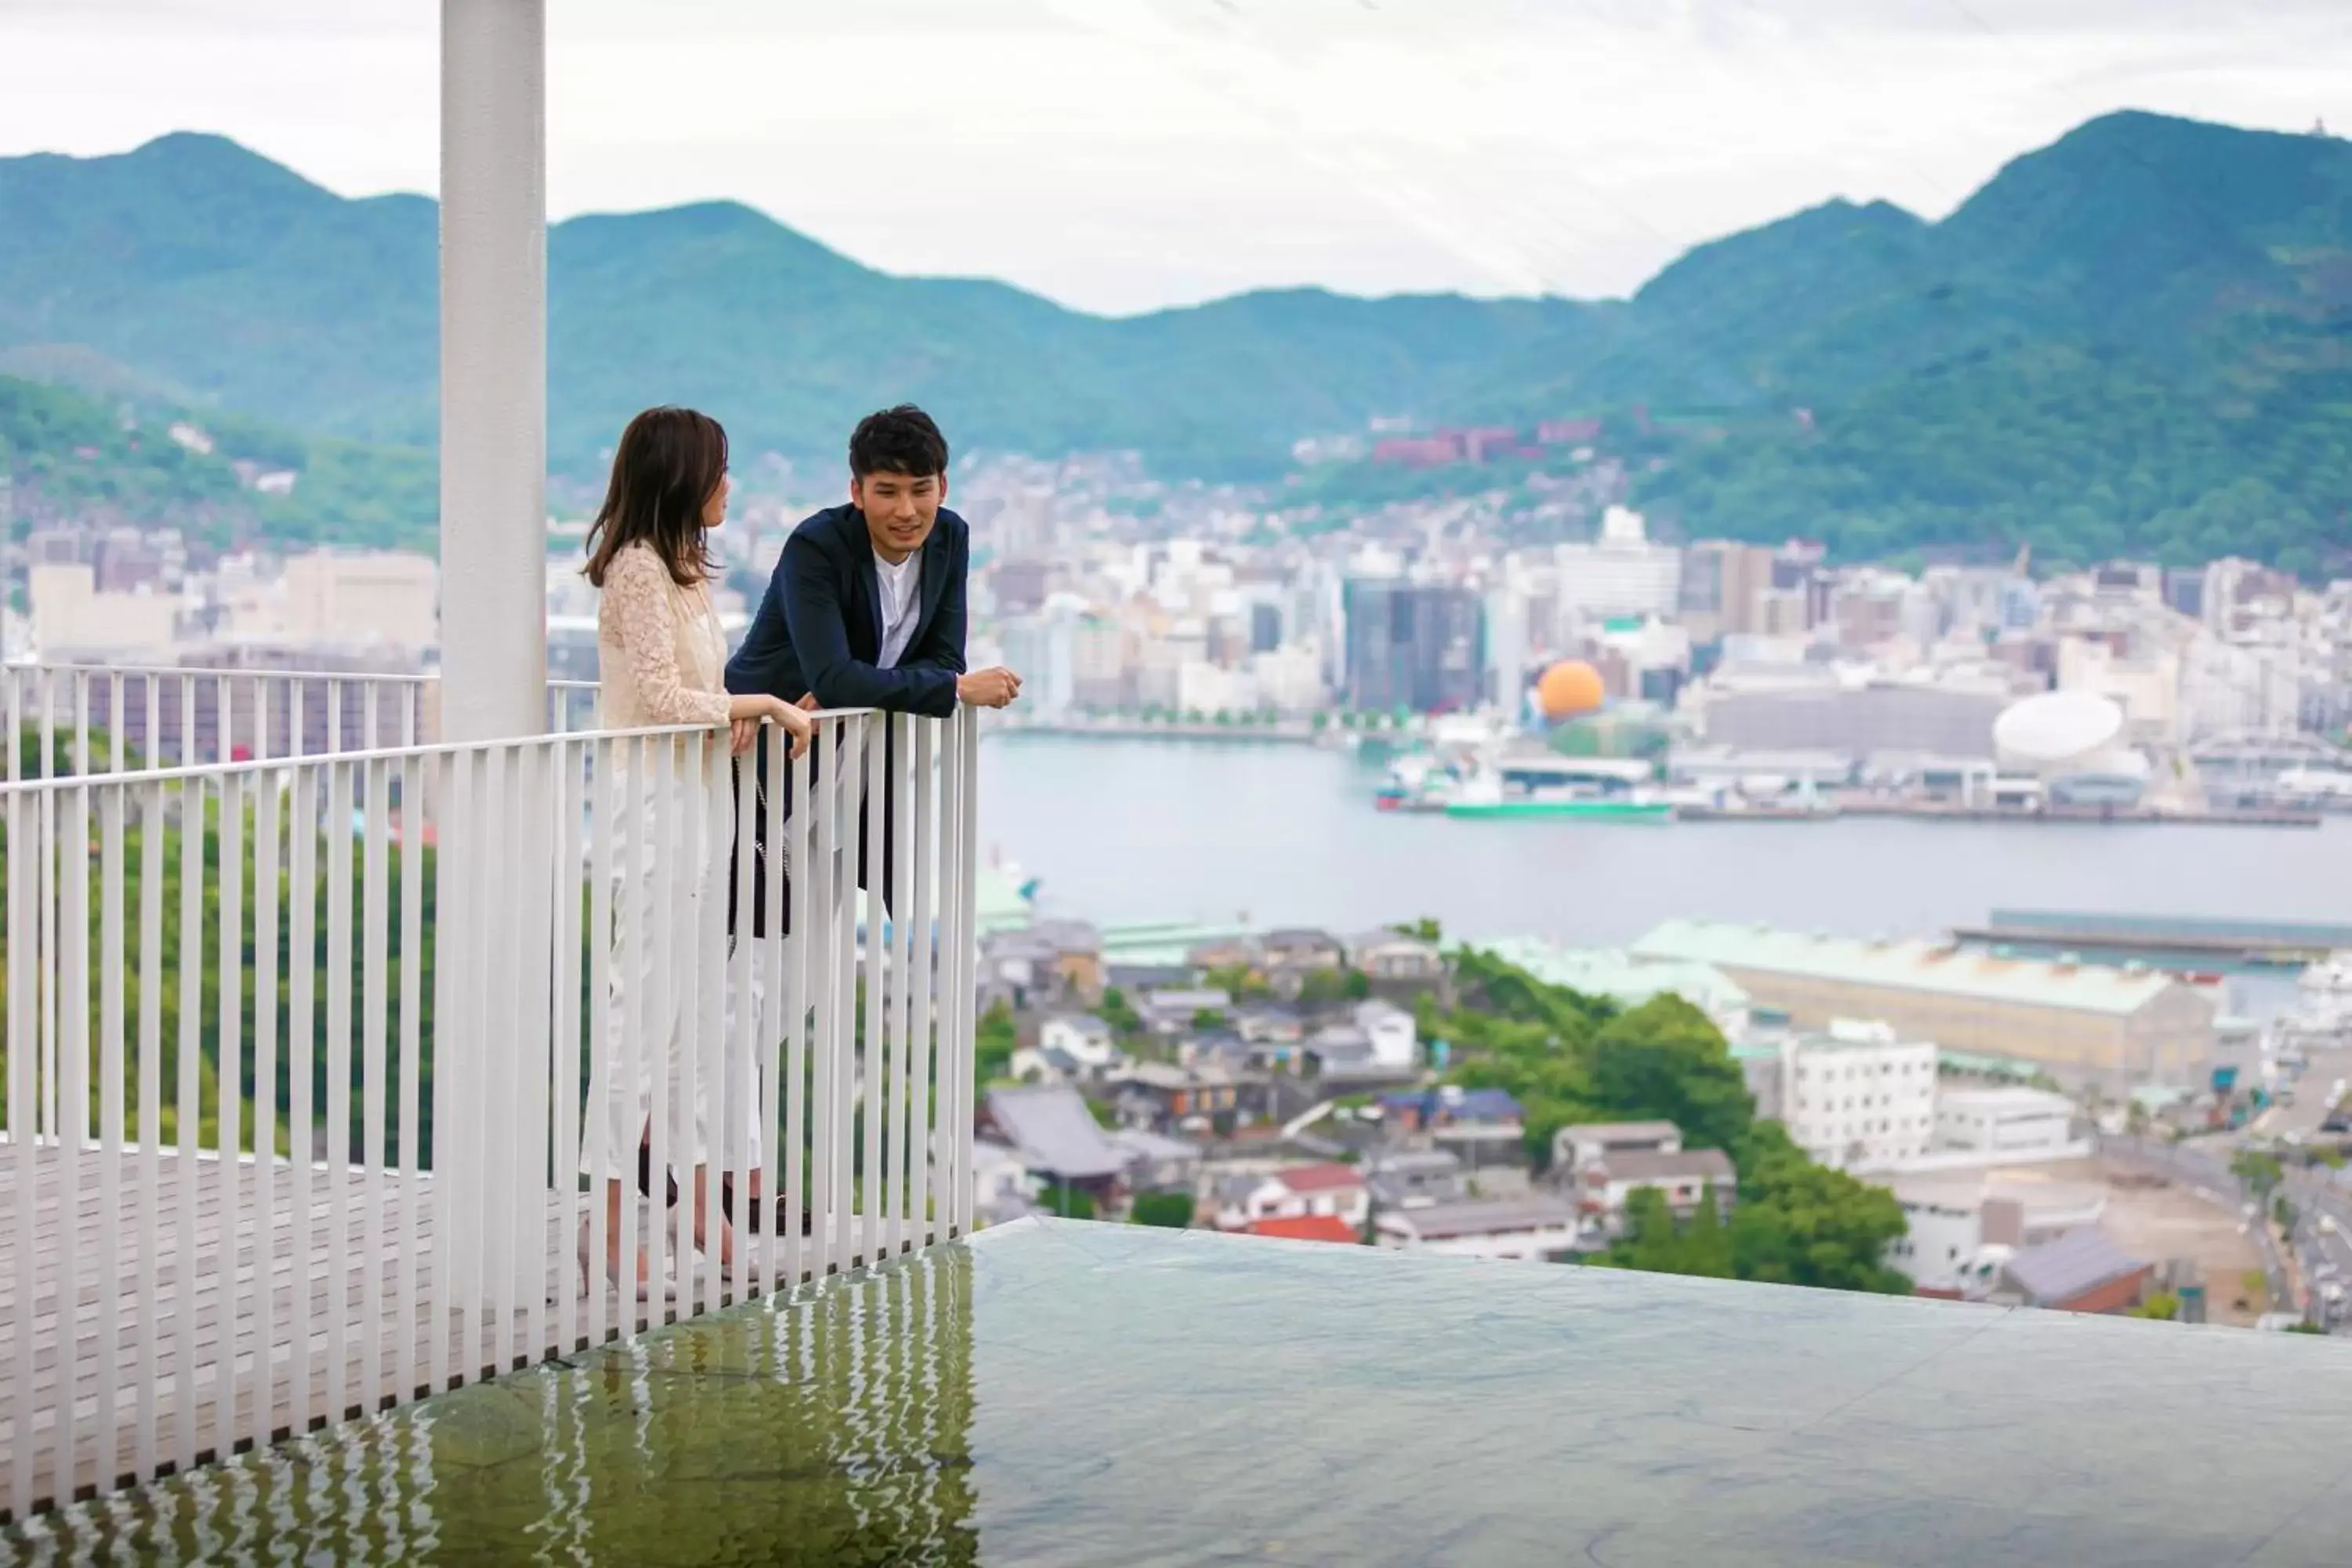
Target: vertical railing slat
874 1068
266 1173
228 1065
604 1023
337 833
415 789
190 1114
72 982
301 1092
921 978
789 1180
375 959
112 1134
566 1057
148 1367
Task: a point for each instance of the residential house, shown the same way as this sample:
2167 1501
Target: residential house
1002 1187
1086 1039
1299 951
1605 1185
1175 1011
1393 958
1055 1135
1296 1192
1164 1095
1338 1050
1134 977
1048 1065
1308 1228
1539 1229
2082 1271
1077 961
1157 1163
1275 1028
1483 1128
1017 968
1226 953
1573 1148
1415 1178
1395 1039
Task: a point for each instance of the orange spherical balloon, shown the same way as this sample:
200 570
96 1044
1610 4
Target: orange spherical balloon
1569 687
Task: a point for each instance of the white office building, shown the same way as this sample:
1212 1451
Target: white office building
2013 1123
1859 1095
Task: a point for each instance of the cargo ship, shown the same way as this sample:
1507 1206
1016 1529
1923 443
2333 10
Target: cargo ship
1533 784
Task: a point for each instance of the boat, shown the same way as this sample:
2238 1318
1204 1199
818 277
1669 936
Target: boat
1483 775
1566 805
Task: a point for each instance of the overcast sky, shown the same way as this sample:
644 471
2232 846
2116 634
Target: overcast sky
1122 154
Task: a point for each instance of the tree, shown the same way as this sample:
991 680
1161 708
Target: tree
997 1039
1123 1019
1425 929
1355 985
1237 979
2163 1307
1207 1019
1664 1061
1066 1201
1170 1210
2258 1170
1656 1243
1803 1224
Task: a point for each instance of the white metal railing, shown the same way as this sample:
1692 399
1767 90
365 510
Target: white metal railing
72 719
315 1066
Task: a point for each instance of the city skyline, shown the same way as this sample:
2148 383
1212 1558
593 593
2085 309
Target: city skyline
1226 146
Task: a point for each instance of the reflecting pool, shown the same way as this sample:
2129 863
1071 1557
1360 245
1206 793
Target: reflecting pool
1069 1393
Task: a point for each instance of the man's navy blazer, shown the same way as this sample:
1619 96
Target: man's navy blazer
819 628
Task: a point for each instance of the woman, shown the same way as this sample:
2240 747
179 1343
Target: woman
661 661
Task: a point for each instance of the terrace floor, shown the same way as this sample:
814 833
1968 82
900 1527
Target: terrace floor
1062 1393
376 1306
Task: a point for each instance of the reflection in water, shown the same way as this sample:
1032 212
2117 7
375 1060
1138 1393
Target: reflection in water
1070 1395
833 1426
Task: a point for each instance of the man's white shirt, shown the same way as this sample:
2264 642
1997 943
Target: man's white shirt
902 600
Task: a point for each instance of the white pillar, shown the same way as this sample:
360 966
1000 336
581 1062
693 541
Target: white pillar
493 368
493 625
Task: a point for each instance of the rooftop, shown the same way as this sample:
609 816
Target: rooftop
1647 1165
1486 1216
1471 1412
1618 974
1319 1178
1928 966
2063 1268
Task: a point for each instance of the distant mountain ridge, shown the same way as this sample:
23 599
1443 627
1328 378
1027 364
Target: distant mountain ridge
2115 329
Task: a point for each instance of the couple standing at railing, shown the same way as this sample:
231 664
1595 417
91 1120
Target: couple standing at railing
866 609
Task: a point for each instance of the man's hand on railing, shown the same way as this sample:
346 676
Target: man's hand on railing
745 715
992 688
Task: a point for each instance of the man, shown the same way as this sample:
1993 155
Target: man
866 605
866 610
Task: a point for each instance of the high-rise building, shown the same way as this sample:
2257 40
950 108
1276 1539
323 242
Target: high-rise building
1724 584
1620 573
1417 646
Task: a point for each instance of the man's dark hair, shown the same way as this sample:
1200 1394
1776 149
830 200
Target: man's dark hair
901 440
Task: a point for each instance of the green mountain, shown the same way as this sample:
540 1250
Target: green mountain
215 275
2135 339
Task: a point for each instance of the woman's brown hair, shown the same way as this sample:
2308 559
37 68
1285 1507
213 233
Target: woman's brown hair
669 463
